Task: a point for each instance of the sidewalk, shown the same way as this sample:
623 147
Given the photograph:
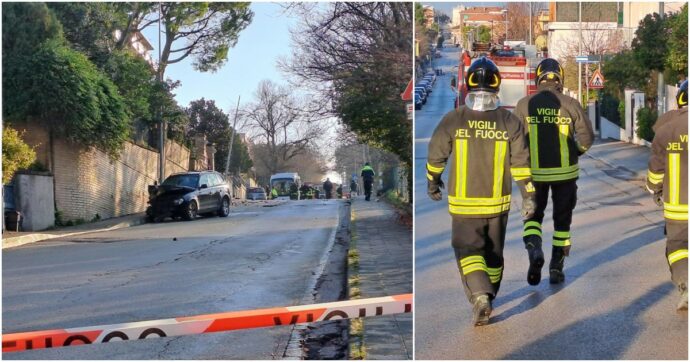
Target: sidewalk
12 239
385 268
623 156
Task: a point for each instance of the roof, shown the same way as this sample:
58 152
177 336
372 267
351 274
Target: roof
194 172
482 17
142 39
285 175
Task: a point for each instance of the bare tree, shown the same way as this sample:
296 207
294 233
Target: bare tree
358 58
278 120
519 20
597 38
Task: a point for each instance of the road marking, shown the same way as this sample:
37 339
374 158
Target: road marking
208 323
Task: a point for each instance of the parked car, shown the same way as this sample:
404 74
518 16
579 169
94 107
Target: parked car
188 195
422 93
418 101
256 193
426 84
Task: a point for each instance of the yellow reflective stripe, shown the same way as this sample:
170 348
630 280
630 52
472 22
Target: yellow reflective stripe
533 223
473 268
533 146
565 176
471 259
655 178
472 263
679 216
460 167
495 274
674 178
478 210
520 178
675 208
561 234
494 271
555 170
463 191
470 201
531 232
499 167
677 255
434 169
561 242
563 131
582 149
431 178
520 171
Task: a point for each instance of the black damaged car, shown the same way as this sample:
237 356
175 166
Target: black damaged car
188 195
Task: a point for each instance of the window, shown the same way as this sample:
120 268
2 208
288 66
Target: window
205 180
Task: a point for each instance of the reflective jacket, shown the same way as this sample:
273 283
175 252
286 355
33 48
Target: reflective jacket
559 132
668 165
367 173
483 149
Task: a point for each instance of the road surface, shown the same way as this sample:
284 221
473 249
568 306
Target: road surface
617 301
258 257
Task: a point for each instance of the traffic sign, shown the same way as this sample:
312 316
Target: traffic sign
597 81
581 58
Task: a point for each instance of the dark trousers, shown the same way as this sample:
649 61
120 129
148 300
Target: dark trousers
564 197
677 251
367 188
478 245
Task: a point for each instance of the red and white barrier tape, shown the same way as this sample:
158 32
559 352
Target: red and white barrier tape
207 323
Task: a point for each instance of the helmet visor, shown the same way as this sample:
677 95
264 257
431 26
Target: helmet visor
482 101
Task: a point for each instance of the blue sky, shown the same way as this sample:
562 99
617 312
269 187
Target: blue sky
253 59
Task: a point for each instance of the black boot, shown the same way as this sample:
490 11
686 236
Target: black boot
536 258
481 309
558 255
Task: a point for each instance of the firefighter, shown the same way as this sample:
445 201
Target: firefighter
484 145
367 174
328 188
559 133
274 193
667 180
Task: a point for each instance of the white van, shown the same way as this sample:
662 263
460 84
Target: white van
285 184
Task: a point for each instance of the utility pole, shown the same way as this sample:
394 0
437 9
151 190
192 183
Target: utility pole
232 137
660 79
161 124
579 65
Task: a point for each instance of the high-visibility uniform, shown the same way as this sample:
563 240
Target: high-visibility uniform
367 174
668 172
483 150
558 133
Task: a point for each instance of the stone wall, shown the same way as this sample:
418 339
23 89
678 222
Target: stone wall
89 183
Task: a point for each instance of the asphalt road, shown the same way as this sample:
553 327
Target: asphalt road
258 257
617 301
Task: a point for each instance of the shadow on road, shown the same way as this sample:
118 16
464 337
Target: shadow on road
536 295
597 337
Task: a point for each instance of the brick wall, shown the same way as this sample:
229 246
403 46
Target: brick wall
88 182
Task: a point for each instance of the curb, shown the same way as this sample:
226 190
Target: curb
32 238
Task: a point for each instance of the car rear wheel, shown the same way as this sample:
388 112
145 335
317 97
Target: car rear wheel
224 208
192 211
